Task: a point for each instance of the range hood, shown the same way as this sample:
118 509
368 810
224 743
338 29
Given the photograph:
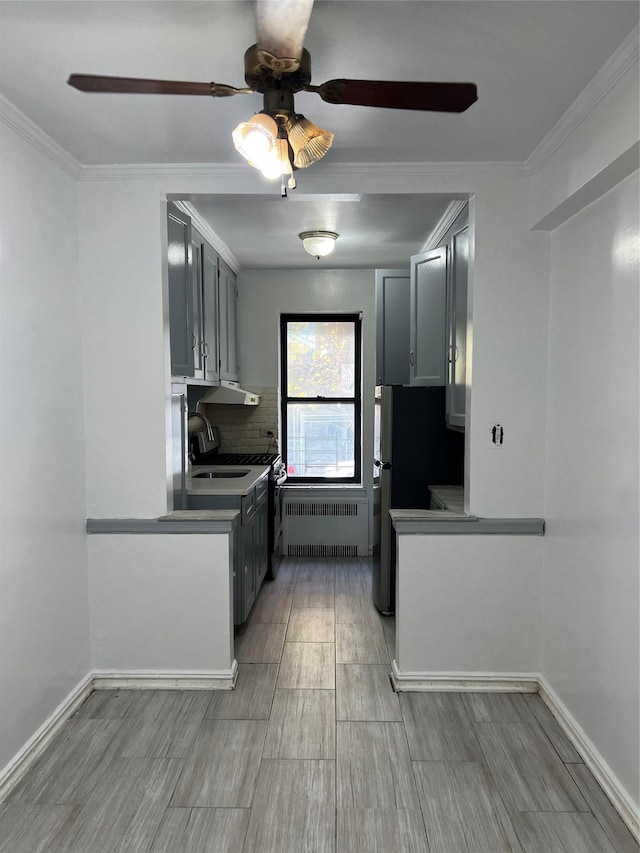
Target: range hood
231 393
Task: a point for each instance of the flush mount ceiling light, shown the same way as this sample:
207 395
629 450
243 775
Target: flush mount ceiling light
319 243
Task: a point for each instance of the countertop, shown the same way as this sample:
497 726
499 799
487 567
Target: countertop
438 521
180 521
453 520
452 497
225 485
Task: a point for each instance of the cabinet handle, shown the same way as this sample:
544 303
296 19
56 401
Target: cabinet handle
194 342
205 349
411 359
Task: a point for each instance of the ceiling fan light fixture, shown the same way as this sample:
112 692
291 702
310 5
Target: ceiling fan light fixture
257 139
279 163
308 142
319 243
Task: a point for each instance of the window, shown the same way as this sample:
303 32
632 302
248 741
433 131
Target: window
321 406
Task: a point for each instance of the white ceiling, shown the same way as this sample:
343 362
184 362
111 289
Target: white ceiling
374 230
529 59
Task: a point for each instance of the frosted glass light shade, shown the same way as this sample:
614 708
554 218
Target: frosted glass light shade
257 139
308 142
278 163
259 142
319 243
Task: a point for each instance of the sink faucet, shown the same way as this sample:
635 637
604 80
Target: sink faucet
205 422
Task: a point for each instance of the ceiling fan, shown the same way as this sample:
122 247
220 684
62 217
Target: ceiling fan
278 140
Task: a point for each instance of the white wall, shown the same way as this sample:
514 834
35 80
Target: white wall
508 341
121 269
468 604
591 630
161 603
44 630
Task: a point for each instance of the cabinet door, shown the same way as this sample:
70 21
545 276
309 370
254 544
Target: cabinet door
210 310
197 244
247 567
227 307
428 327
392 327
262 556
457 380
180 292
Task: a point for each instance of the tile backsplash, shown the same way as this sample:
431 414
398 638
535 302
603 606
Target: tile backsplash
243 428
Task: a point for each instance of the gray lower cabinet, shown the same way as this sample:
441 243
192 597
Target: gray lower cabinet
251 557
245 590
393 294
428 318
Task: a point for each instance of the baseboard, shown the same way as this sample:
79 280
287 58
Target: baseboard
151 679
460 682
11 774
604 775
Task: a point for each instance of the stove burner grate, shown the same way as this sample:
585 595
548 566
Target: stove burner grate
246 458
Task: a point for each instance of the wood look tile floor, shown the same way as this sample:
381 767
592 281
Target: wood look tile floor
312 752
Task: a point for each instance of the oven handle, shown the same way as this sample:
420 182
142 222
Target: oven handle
281 480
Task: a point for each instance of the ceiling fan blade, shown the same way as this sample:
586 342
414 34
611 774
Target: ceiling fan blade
139 86
281 26
439 97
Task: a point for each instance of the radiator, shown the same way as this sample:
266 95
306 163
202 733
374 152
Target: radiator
325 528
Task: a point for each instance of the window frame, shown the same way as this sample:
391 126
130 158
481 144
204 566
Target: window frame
356 400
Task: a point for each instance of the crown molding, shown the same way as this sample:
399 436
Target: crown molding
160 171
611 72
339 171
434 170
12 117
444 223
210 236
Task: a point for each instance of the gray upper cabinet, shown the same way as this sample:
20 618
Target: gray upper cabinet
197 300
392 327
428 318
180 292
205 309
202 306
227 303
211 314
457 326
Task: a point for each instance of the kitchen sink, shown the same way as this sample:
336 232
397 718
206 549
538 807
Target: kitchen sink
223 475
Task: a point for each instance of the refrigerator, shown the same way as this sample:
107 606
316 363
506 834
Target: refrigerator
413 449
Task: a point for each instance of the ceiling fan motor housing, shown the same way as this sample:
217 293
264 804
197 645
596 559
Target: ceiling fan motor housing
264 72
